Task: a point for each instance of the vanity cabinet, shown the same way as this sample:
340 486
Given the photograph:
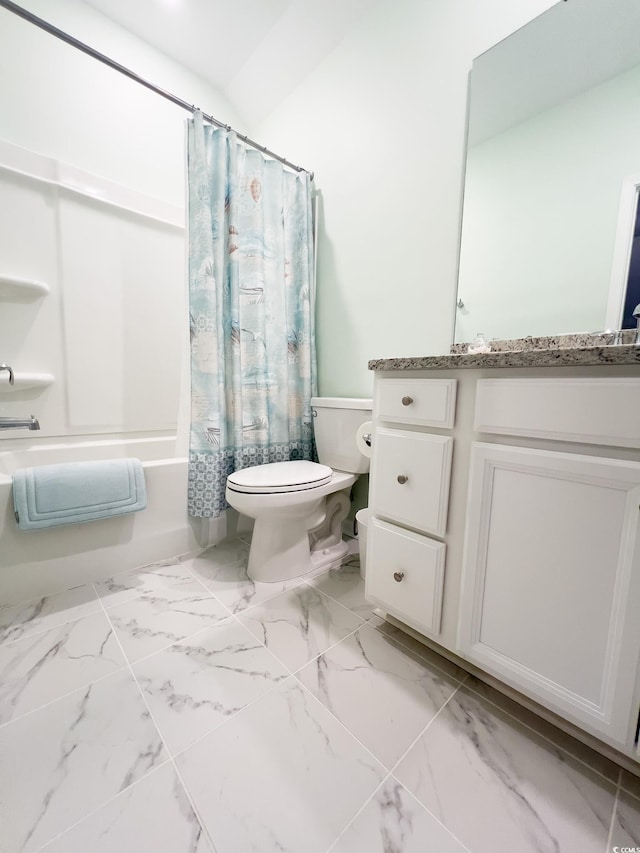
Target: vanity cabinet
406 575
410 478
519 551
551 588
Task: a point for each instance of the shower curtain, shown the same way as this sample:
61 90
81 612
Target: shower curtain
251 289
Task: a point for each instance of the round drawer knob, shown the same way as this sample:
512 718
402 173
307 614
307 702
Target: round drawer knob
407 401
398 576
402 479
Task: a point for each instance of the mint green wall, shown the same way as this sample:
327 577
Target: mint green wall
382 122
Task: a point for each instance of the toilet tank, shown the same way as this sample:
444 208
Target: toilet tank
335 424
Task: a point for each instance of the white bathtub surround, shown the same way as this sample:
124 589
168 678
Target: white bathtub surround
47 562
340 735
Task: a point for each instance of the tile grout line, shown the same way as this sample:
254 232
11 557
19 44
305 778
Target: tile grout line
200 738
4 643
464 681
244 566
398 643
427 726
231 615
286 592
64 695
358 813
614 813
303 581
187 637
406 752
98 808
546 738
391 777
79 686
293 675
102 609
389 772
162 739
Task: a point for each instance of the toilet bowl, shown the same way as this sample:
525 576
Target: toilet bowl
299 506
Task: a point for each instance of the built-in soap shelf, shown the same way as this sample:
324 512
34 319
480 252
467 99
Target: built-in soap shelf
13 287
25 381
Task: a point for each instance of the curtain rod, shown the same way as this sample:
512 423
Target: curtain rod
106 60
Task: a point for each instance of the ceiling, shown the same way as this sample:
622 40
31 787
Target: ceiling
254 51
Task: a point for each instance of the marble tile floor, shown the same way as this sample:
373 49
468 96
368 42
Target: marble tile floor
181 708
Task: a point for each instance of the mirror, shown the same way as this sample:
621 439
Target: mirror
552 175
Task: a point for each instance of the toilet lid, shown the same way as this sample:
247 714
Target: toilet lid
280 477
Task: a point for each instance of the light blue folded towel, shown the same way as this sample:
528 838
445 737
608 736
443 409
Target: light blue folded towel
50 495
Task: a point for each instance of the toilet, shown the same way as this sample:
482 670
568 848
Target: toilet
299 506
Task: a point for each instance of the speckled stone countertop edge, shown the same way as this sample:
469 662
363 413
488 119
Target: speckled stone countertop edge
579 341
571 356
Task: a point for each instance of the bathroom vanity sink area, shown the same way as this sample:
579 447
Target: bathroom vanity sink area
505 523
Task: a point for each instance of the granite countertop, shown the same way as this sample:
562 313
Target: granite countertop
559 351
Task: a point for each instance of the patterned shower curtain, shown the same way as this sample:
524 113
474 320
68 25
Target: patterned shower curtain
251 310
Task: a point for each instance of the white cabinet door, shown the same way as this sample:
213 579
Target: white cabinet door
551 581
410 474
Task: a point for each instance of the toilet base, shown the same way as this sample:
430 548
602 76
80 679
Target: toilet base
278 552
290 559
283 549
328 557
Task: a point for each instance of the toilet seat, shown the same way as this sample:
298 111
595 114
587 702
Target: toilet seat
279 477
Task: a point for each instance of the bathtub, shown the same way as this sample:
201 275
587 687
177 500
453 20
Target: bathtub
41 562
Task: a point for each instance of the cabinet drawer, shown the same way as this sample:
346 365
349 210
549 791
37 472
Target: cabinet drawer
405 575
410 478
428 402
594 411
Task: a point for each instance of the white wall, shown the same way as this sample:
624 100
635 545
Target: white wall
114 329
382 122
61 103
